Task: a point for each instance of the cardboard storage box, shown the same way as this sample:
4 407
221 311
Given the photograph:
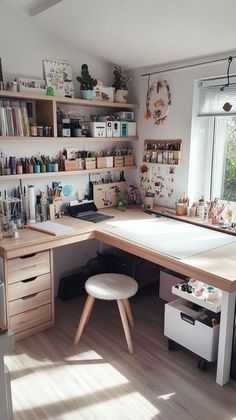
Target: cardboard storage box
103 93
168 279
90 163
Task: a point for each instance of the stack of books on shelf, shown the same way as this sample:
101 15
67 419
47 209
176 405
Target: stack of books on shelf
14 119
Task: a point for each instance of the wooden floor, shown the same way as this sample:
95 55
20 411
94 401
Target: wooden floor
99 379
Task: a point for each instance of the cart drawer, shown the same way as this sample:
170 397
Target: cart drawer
182 326
32 265
30 319
29 302
29 286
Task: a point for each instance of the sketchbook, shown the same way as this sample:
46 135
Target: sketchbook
51 228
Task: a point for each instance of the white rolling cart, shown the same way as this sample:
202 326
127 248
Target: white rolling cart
194 325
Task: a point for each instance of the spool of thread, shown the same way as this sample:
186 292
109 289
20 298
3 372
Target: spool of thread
31 201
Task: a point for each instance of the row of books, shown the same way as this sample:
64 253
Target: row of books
14 119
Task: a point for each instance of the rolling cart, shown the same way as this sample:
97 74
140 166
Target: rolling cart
194 324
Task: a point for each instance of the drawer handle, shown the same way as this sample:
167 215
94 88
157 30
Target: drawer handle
32 266
29 296
187 318
30 279
27 256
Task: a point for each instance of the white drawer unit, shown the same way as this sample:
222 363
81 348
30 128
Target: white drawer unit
185 326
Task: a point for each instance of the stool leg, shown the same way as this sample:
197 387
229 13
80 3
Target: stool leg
128 312
124 320
84 317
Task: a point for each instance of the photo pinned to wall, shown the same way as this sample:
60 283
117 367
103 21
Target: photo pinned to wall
58 75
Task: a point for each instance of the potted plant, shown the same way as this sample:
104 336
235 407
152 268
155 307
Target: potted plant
87 83
120 84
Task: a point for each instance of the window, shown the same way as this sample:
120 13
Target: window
213 140
223 180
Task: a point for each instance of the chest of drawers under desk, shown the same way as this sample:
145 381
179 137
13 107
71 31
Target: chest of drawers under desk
29 293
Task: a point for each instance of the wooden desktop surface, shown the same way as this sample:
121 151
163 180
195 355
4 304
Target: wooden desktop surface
216 266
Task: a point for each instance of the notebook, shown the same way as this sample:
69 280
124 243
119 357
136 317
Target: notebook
87 211
51 228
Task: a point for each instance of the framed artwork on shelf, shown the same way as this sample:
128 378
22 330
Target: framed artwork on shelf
58 75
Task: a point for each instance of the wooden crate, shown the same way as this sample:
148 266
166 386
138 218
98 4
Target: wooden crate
101 162
129 160
90 163
70 165
118 161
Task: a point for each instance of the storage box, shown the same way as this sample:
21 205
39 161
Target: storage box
90 163
103 93
98 129
131 128
123 129
101 162
129 160
109 129
184 326
116 128
118 161
109 161
70 165
168 279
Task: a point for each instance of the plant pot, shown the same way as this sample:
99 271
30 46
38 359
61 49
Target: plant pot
87 94
121 95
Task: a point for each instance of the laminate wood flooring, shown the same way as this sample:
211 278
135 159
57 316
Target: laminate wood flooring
100 380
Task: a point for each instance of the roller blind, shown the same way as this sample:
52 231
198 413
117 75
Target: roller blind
212 98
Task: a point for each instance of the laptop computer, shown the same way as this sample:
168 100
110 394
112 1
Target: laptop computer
87 211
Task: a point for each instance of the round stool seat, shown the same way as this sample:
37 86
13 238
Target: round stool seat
111 286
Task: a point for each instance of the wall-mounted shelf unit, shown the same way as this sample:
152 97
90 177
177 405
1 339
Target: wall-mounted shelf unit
45 114
162 152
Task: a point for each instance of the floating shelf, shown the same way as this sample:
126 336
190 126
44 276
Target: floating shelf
63 173
66 139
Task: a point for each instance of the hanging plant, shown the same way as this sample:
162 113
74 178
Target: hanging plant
158 108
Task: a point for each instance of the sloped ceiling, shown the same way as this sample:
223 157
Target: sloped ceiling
139 33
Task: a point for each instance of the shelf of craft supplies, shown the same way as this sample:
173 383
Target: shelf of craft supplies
64 173
69 101
66 139
211 305
160 164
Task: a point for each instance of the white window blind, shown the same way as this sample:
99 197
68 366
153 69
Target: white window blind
212 98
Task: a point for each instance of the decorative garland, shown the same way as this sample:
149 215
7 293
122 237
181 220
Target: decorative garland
157 114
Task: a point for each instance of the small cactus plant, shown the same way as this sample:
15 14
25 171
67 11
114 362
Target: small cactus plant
86 81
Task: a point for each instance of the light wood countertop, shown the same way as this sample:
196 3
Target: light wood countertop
216 266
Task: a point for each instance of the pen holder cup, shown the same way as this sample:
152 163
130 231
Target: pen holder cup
43 168
181 210
49 167
37 169
54 167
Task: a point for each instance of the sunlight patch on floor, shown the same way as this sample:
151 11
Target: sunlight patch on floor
166 396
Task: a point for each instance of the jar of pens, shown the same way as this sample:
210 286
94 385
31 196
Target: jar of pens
181 205
10 216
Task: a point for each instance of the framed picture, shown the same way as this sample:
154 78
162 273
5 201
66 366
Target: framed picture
58 75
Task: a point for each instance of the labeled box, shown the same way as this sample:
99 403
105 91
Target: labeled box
132 130
109 129
70 165
98 129
101 162
116 128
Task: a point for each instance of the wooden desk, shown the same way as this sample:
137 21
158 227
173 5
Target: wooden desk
216 267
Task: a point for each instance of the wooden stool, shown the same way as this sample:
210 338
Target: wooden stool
110 286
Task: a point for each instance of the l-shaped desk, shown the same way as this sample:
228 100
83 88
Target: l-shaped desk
29 259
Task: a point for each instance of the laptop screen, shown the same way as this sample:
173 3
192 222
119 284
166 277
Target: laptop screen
81 208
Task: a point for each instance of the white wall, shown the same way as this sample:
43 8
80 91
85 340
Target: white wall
23 47
179 121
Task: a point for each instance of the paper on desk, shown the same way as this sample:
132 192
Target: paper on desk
51 228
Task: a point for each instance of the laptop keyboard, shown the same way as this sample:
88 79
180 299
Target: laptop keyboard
93 217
